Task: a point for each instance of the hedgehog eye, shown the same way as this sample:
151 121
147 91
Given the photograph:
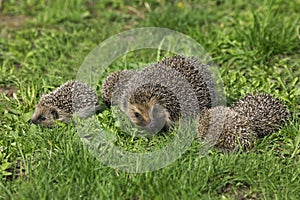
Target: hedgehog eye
54 114
42 118
137 115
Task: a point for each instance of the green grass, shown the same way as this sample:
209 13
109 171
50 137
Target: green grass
255 44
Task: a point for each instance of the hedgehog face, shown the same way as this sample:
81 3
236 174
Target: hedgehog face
47 115
151 117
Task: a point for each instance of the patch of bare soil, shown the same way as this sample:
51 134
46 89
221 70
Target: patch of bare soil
12 21
9 22
8 91
17 170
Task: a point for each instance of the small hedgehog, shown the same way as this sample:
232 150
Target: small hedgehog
71 98
226 129
266 113
175 87
113 81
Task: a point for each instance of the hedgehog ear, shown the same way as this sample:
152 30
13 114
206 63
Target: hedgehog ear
54 113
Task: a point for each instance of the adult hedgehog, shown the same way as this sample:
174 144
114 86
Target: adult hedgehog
161 93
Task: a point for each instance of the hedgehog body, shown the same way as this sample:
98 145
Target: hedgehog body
112 82
226 129
71 98
162 92
198 76
266 113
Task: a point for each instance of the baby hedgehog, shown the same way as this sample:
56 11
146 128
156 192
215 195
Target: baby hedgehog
71 98
266 113
158 95
252 117
225 129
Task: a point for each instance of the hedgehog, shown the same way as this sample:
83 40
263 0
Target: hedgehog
71 98
156 97
226 129
266 113
113 81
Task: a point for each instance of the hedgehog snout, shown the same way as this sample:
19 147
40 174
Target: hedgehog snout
44 115
36 117
157 119
156 125
159 114
36 120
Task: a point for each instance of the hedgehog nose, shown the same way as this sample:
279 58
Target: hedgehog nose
32 122
152 125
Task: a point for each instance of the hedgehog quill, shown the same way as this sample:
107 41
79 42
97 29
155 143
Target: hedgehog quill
226 129
266 113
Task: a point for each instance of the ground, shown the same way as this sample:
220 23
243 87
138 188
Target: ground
255 44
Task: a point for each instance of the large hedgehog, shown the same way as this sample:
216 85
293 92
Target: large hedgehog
161 93
71 98
266 113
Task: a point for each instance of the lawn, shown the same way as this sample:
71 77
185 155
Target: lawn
255 46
